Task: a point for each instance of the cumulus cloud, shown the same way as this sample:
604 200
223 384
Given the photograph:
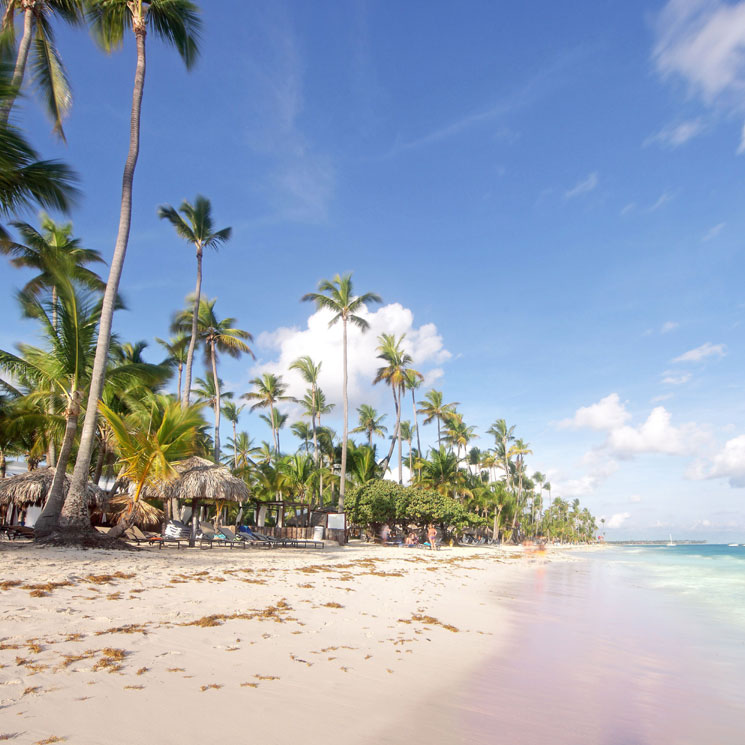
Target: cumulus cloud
608 413
728 463
617 520
700 353
656 434
583 187
324 345
675 135
636 498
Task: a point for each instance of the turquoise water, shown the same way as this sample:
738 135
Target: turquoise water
710 577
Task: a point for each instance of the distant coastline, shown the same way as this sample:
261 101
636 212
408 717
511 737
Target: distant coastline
660 542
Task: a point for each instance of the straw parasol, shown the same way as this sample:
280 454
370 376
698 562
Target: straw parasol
32 488
201 480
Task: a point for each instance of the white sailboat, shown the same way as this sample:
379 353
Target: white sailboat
671 542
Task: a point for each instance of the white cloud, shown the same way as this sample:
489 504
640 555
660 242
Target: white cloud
675 378
713 232
656 435
606 414
728 463
583 187
599 468
703 43
662 397
700 353
617 520
324 344
636 498
741 147
630 207
669 326
675 135
662 200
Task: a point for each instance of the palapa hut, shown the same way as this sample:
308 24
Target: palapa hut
18 493
201 480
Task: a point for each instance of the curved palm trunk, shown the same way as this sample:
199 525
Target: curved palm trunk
50 514
384 463
235 454
217 401
29 21
343 479
398 438
75 511
315 439
193 340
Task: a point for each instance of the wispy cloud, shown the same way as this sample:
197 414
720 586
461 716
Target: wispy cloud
675 135
669 326
701 353
301 179
713 232
583 187
662 200
670 377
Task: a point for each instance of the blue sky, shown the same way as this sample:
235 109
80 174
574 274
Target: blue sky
547 197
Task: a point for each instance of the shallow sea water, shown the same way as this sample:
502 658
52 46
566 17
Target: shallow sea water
628 646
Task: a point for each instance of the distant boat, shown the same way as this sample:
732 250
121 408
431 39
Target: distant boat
733 544
671 542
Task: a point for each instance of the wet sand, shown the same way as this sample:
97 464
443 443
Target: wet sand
596 658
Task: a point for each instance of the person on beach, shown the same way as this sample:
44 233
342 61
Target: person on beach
384 534
432 536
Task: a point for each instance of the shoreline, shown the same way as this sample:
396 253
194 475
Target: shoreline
170 644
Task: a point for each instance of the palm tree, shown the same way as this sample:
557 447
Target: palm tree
413 381
337 296
371 423
520 449
48 72
442 472
148 442
196 227
310 371
276 421
407 434
395 373
176 22
304 432
176 349
232 413
457 433
270 390
244 450
434 409
218 336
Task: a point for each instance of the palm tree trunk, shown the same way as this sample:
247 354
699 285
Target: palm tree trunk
416 424
49 515
29 21
398 438
75 511
180 369
315 433
384 463
439 444
235 453
217 401
193 340
343 479
100 458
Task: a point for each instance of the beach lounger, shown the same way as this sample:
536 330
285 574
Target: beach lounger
16 531
281 542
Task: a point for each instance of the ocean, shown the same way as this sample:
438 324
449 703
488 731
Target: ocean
631 645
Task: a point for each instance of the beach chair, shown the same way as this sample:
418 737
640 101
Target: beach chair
234 541
17 531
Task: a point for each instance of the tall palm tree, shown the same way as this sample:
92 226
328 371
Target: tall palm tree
195 225
413 381
176 348
434 409
395 373
232 413
407 434
244 450
304 432
337 296
219 336
48 71
371 423
503 436
177 22
519 450
310 371
269 391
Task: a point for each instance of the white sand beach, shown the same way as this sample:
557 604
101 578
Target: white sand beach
196 646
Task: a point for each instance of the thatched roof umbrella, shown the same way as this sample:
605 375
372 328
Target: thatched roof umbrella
202 480
32 488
